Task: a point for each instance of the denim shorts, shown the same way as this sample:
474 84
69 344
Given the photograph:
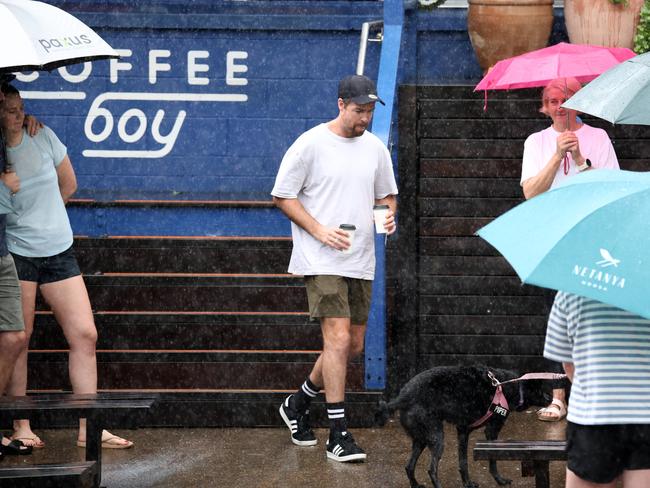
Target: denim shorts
338 296
47 270
600 453
11 310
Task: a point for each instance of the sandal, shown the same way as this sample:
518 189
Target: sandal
555 412
110 441
33 441
14 448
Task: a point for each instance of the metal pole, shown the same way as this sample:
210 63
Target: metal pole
375 351
363 43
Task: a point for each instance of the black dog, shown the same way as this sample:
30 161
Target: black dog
462 396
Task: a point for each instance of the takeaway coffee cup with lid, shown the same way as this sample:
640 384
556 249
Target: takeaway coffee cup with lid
350 229
380 212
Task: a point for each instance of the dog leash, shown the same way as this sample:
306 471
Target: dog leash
527 376
499 404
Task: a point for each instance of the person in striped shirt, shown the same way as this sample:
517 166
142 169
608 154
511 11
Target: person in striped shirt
605 352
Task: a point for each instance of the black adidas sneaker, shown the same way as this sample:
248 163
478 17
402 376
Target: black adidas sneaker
341 447
298 423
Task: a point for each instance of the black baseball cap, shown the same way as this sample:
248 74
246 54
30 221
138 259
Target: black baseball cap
359 89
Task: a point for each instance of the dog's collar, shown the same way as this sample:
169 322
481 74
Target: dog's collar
498 406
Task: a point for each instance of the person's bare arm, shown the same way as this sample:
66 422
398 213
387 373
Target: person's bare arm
329 236
543 180
569 369
390 225
67 179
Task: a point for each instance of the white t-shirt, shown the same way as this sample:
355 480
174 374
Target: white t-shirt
540 146
337 180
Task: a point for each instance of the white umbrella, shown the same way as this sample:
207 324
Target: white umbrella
38 36
621 95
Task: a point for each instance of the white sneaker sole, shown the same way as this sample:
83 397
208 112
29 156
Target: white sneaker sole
346 459
295 441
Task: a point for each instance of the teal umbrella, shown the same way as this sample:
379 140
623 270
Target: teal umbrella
590 236
620 95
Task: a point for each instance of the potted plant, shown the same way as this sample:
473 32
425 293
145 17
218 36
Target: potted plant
609 23
500 29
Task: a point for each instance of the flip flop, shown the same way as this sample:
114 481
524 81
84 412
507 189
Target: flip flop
109 443
555 412
14 448
36 441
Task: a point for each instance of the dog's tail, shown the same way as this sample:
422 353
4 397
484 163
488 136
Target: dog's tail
384 412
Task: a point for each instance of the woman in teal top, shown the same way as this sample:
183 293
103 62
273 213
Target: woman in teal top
39 237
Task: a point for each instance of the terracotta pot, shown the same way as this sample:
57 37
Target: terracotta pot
501 29
602 23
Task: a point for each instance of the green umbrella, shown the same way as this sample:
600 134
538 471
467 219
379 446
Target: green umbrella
621 95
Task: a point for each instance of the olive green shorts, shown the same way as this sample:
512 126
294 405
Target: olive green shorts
11 311
338 296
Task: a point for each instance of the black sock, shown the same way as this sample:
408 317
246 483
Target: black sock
336 416
303 397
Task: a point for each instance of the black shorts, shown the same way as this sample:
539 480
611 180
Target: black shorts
47 270
600 453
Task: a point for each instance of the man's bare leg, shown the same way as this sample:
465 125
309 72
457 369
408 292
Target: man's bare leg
358 334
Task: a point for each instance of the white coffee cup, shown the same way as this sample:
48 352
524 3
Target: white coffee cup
380 212
350 229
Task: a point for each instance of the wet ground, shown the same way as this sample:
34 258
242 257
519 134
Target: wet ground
265 458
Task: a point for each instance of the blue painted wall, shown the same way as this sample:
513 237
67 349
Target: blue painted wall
227 98
209 94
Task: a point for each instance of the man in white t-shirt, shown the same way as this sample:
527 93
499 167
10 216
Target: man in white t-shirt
564 149
331 176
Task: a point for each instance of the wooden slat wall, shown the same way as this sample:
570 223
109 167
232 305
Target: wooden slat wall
213 324
459 169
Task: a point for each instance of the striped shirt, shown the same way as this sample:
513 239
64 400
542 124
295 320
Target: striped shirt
610 349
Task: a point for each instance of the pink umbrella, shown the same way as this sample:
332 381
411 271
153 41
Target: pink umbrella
536 68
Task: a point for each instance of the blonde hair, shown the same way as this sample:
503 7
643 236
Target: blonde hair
566 85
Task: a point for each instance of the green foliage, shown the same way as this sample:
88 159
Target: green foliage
619 2
642 36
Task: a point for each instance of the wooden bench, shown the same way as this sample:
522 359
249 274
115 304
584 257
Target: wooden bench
71 475
534 456
101 411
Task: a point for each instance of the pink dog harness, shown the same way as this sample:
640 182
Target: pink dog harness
499 404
